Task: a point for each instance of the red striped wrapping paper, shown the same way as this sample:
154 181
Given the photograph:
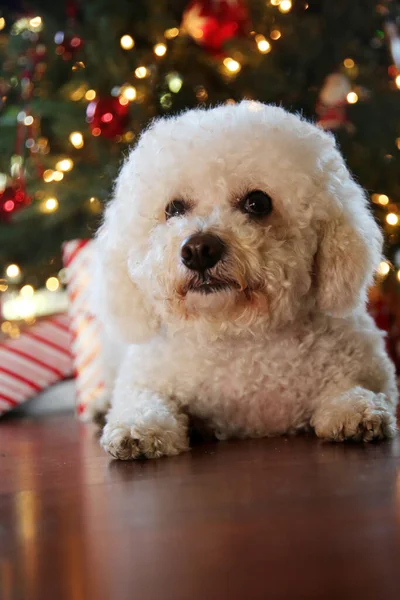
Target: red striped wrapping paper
40 357
86 330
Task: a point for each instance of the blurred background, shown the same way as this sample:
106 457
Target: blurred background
79 80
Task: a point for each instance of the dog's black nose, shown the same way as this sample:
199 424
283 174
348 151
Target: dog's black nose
202 251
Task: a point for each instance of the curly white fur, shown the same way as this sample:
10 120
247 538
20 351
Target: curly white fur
289 345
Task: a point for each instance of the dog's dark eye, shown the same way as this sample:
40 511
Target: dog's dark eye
175 208
257 204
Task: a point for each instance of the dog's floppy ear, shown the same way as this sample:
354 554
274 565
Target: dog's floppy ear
119 303
350 242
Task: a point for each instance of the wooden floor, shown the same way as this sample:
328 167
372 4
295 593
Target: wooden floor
265 519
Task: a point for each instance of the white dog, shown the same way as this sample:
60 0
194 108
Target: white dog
235 260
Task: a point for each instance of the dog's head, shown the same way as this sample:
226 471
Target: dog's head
231 216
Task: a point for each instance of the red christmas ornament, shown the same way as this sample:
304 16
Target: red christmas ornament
213 22
12 199
107 117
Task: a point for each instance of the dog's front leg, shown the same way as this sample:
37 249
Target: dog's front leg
357 414
144 425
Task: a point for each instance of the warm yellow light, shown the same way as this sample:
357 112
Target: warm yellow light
383 199
127 42
50 205
175 82
383 268
13 271
275 34
48 175
36 22
27 291
28 120
76 139
3 285
58 176
397 81
6 327
52 284
78 94
285 6
348 63
392 219
160 49
128 92
141 72
232 65
275 2
90 95
171 33
398 275
398 143
263 45
123 101
129 136
2 23
65 164
352 98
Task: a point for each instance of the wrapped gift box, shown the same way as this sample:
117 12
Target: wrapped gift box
33 357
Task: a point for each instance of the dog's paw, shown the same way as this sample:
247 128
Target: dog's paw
130 442
358 415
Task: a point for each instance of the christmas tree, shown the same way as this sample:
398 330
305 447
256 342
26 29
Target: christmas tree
80 80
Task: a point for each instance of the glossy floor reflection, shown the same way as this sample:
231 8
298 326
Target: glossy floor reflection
278 519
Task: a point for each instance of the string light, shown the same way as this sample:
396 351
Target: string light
2 23
27 291
78 94
3 285
175 82
275 2
398 143
52 284
76 139
352 98
285 6
348 63
263 45
171 33
90 95
58 176
13 271
48 175
6 327
383 268
128 92
233 66
141 72
275 34
36 23
383 199
160 49
201 93
129 136
398 275
65 164
392 219
50 205
127 42
95 205
397 81
28 120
